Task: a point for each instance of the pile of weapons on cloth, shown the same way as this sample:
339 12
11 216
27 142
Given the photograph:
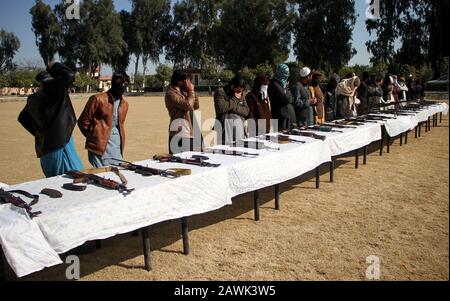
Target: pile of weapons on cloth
145 171
369 118
8 197
309 131
90 177
197 160
414 106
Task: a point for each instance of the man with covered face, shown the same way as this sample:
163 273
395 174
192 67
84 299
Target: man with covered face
231 110
181 102
102 123
49 116
259 105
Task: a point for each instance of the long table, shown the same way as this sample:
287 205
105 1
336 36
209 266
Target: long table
400 125
30 245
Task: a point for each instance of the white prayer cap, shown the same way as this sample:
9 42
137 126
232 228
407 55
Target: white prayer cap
304 72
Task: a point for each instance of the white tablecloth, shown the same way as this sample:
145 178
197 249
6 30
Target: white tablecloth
351 138
402 124
443 107
293 160
423 115
399 125
97 213
24 246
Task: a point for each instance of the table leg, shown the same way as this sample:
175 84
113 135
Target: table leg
388 144
365 155
185 232
401 139
381 144
406 138
146 243
256 202
332 170
317 177
357 158
277 197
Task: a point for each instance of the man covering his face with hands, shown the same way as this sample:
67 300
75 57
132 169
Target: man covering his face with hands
181 102
231 111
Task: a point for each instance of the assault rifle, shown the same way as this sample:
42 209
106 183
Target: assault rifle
322 128
8 197
230 153
378 117
297 132
148 171
197 161
360 120
348 123
255 145
339 126
395 112
373 118
284 139
81 177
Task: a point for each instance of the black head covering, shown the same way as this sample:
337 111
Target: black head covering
43 77
177 76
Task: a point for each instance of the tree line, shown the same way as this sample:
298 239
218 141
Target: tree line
222 37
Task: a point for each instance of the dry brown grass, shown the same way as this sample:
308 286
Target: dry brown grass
396 208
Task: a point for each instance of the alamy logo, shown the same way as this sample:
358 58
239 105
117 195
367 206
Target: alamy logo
73 10
373 270
73 270
373 9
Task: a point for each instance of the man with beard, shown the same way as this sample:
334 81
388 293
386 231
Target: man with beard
102 123
304 99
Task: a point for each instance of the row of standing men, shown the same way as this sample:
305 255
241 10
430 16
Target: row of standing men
49 115
296 103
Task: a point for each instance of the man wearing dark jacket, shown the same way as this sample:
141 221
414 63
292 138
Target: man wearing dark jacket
231 110
303 98
362 109
280 97
374 93
330 96
259 105
50 118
